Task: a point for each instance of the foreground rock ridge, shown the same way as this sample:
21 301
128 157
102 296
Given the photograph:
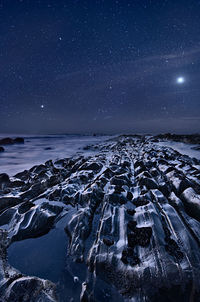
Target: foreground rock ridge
132 218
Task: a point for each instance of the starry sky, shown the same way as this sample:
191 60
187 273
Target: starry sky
103 66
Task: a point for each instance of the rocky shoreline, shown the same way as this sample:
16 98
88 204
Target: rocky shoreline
185 138
135 224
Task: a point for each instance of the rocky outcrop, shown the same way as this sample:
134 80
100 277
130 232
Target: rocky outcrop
11 141
185 138
134 227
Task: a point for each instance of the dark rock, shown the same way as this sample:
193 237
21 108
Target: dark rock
23 175
6 141
119 189
140 201
148 182
170 169
16 183
92 166
191 202
165 189
108 241
154 172
34 191
118 181
140 236
56 194
39 223
11 141
25 207
18 140
88 147
131 212
39 169
31 289
129 195
173 249
108 173
6 202
129 257
2 149
132 225
116 198
4 180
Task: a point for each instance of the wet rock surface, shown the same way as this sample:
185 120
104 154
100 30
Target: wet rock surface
132 215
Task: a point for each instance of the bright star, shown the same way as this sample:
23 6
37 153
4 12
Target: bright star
42 106
180 80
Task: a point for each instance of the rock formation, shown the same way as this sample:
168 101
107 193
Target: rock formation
135 224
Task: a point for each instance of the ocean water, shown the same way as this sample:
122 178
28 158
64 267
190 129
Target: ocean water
38 149
44 257
183 148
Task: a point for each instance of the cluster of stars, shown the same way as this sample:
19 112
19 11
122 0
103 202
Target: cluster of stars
110 61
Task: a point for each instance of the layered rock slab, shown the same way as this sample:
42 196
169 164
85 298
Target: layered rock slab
135 225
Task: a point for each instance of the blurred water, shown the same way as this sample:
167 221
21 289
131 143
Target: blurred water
183 148
38 149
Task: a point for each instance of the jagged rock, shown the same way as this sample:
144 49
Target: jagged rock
148 182
132 225
119 181
6 141
11 141
30 289
56 194
6 202
192 202
129 257
173 249
92 166
39 169
140 201
19 140
140 236
16 183
4 180
108 241
23 175
34 191
131 214
116 198
129 195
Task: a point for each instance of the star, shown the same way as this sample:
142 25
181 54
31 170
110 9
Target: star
180 80
42 106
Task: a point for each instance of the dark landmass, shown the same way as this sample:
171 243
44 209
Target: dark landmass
11 141
185 138
132 220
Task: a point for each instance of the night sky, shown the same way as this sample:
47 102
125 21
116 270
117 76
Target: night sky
85 66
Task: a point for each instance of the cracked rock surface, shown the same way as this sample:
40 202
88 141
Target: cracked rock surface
132 220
